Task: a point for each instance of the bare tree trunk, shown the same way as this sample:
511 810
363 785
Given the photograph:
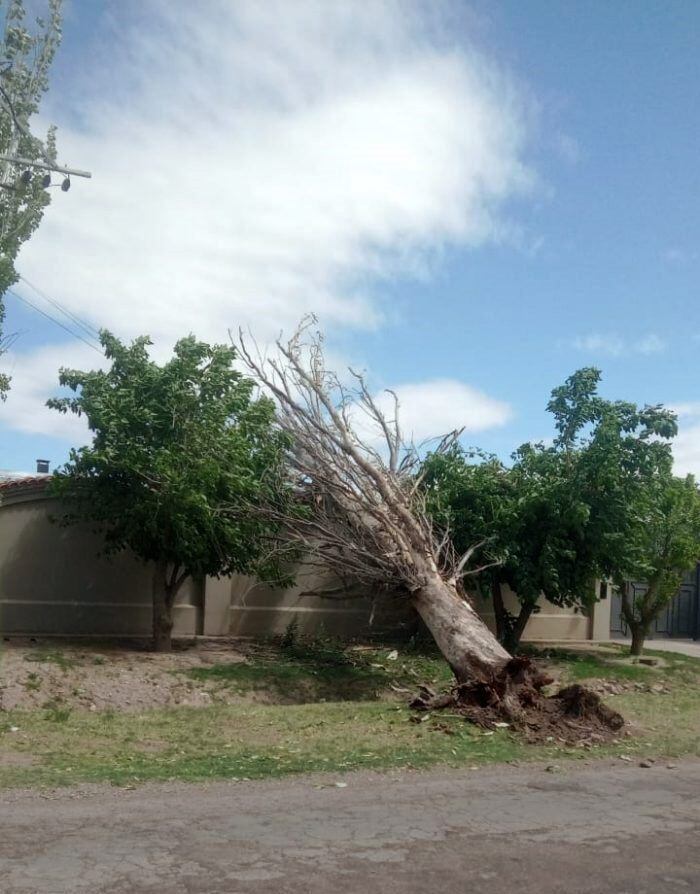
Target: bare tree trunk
516 630
509 628
499 610
463 638
637 618
367 519
163 600
639 634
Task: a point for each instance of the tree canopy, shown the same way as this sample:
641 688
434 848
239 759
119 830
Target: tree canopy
561 515
173 446
531 522
665 543
25 58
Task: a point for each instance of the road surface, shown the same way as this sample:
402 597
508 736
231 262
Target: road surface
610 828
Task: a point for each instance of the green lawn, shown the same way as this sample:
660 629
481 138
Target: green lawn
348 715
320 671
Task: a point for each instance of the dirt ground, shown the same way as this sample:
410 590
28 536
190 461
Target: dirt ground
89 676
123 676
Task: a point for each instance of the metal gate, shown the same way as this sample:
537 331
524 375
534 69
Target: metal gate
680 618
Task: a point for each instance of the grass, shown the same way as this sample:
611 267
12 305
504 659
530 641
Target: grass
32 682
307 672
193 744
581 665
51 656
366 725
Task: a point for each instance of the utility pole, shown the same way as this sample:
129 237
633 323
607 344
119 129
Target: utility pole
44 166
10 159
11 162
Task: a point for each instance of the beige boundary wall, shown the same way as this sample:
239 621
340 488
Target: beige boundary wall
53 581
552 624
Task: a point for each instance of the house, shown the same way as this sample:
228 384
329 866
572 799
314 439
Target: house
55 581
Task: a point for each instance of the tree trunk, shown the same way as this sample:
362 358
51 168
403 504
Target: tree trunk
162 610
492 687
509 629
638 623
466 643
515 631
639 634
499 611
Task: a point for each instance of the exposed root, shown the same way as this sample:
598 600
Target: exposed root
515 698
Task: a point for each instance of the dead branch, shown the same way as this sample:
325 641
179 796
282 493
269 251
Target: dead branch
366 518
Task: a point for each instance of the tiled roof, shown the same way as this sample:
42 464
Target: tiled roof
21 481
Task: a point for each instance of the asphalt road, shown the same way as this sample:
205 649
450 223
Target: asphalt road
610 828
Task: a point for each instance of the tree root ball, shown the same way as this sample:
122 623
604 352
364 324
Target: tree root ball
515 698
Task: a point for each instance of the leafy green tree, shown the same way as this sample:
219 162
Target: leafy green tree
25 59
560 516
666 544
181 455
529 519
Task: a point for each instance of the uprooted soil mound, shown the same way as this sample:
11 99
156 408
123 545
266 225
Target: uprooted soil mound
515 698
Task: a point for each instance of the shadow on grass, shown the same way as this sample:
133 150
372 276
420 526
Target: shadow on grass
583 665
302 672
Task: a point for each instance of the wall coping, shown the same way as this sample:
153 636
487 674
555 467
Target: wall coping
20 489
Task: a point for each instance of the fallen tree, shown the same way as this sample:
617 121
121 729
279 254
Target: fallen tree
364 518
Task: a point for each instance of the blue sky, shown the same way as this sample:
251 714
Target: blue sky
477 198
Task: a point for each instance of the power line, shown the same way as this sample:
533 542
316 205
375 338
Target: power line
83 324
54 320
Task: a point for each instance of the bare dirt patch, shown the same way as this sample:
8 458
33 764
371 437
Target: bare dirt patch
15 759
40 674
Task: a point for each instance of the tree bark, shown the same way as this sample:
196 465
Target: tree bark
162 609
464 640
638 617
368 520
639 634
509 629
499 610
514 633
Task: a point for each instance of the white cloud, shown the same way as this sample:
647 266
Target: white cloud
596 343
35 379
686 450
614 345
686 410
677 255
686 445
649 344
254 161
426 409
434 408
